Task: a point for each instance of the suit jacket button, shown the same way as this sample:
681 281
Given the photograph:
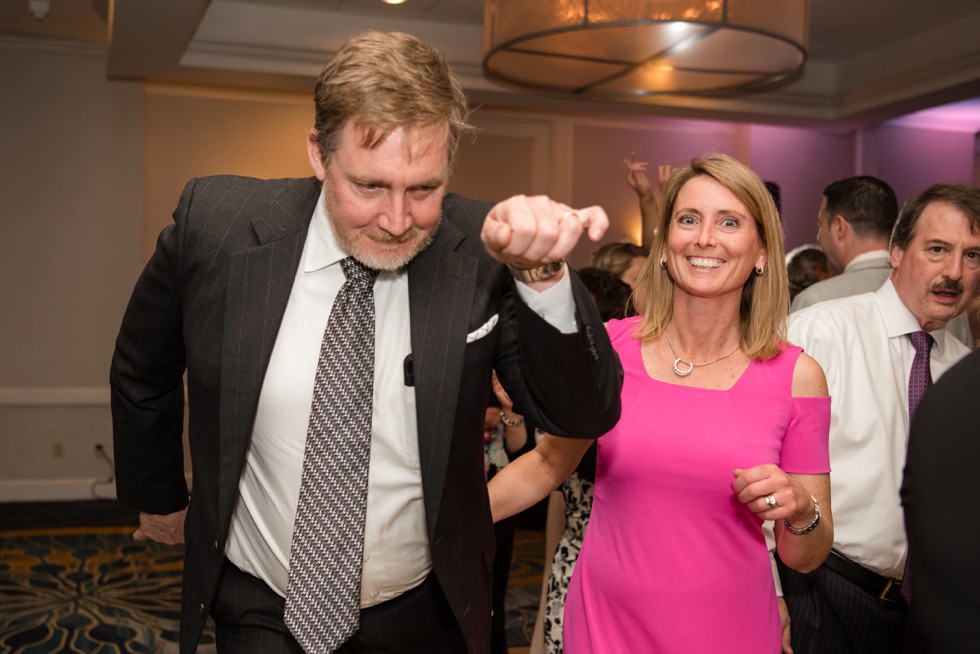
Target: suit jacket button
204 611
216 549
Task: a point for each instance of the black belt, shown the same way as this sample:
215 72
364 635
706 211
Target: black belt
884 588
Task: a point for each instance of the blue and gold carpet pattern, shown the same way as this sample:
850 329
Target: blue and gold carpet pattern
84 589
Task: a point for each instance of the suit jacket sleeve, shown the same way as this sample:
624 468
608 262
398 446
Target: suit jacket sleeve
571 382
146 383
566 384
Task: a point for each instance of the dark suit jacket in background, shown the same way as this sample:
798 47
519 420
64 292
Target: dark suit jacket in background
940 494
211 300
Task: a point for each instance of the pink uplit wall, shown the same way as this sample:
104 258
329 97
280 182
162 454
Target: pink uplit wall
911 158
803 162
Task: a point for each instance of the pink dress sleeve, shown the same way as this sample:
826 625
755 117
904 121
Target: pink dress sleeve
806 446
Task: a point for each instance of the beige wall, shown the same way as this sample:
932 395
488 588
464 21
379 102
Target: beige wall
192 133
70 206
92 169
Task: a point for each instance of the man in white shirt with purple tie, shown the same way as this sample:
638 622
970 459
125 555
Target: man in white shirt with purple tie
866 345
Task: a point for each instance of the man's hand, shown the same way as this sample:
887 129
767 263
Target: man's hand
784 623
526 232
167 529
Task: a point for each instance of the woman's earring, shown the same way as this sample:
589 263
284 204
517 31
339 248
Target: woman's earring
663 263
760 270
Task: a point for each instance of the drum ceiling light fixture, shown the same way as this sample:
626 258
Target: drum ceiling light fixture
629 48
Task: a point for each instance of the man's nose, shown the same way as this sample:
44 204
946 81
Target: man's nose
396 219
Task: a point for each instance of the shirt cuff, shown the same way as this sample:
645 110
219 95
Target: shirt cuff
555 304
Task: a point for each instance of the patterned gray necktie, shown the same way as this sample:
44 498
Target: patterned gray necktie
323 595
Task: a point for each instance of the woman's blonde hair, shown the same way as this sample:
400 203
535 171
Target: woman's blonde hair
765 297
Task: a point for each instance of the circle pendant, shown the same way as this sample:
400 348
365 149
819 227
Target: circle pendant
680 372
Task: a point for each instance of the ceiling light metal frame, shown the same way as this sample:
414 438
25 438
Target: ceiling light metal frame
631 48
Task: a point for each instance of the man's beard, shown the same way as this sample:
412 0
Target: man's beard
352 243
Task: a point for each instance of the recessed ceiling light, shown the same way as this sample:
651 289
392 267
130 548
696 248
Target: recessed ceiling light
393 2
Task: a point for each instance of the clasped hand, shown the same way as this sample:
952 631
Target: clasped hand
787 498
528 231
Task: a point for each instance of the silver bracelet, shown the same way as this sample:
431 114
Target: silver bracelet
802 531
511 423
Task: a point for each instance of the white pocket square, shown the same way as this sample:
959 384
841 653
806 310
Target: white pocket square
482 331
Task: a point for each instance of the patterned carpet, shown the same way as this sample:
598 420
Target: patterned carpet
524 585
88 589
77 588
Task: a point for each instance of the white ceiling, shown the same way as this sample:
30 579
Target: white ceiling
869 60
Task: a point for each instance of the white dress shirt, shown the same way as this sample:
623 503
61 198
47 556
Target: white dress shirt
861 343
396 547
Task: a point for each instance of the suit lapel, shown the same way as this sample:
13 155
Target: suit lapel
260 280
441 290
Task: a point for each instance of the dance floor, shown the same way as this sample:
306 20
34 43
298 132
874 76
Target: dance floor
73 580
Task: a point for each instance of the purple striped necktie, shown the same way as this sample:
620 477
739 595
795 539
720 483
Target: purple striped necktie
920 379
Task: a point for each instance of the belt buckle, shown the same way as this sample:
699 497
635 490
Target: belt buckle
884 592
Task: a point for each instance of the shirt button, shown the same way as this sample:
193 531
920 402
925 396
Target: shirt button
367 557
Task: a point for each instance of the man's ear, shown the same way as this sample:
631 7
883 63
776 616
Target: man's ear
839 227
316 158
895 256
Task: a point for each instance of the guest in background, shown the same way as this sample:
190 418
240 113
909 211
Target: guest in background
776 193
973 315
880 351
939 492
624 260
854 223
504 438
648 195
724 426
806 267
611 294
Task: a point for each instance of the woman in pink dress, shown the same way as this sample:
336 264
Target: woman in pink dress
724 425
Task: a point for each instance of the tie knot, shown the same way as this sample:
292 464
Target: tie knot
921 341
357 273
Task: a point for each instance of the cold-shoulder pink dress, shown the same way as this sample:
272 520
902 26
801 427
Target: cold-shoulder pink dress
672 562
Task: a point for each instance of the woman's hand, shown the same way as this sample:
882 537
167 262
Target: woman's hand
773 494
498 389
788 497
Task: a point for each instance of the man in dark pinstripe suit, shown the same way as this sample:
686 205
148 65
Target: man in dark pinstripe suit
238 293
